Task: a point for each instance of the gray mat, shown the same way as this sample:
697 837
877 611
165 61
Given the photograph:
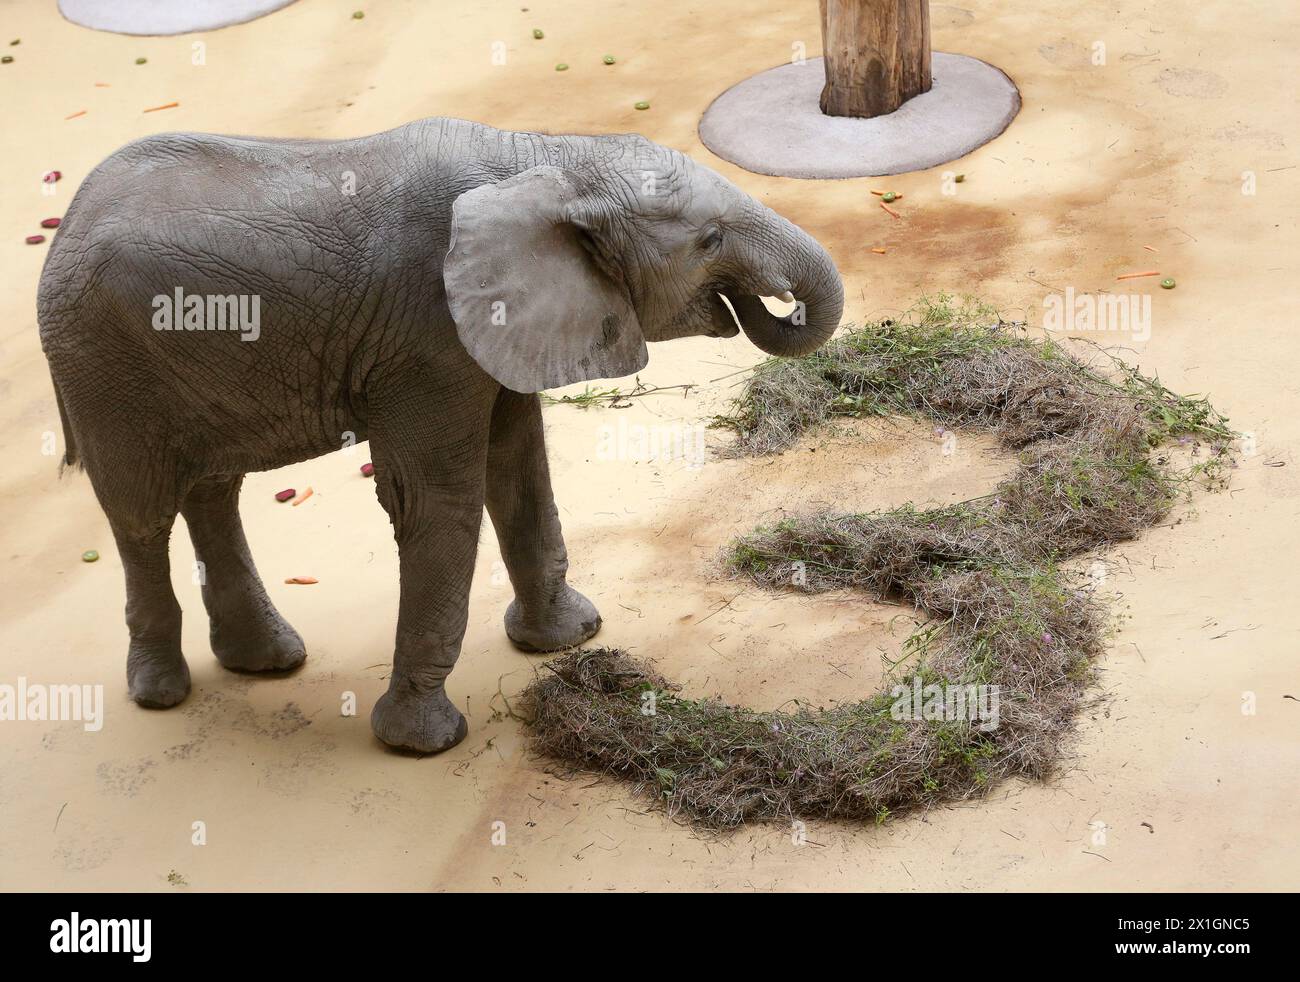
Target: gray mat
164 16
771 123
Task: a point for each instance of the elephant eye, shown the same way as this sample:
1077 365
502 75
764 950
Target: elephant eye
710 240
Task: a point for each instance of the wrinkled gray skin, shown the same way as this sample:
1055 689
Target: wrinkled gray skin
470 269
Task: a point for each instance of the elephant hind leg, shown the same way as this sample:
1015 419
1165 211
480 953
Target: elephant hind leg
547 614
129 456
247 633
156 673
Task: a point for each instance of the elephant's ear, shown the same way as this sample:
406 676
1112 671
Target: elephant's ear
531 304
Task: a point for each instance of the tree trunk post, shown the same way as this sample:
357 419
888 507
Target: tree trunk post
877 55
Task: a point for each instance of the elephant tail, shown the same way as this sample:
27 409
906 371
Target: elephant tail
70 458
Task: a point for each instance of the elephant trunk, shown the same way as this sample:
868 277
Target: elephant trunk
786 259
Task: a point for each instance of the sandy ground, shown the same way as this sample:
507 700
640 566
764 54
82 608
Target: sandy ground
1147 149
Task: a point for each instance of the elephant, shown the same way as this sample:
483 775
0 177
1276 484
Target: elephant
416 288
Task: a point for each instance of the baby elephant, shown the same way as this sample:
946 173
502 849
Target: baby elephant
215 305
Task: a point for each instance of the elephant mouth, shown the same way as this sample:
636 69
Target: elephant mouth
724 324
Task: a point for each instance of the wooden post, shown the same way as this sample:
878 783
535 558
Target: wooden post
877 55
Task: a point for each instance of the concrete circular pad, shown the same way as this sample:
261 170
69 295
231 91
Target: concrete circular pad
772 124
164 16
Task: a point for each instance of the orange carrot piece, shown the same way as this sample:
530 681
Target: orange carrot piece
890 210
75 115
878 252
1134 276
306 493
302 580
169 105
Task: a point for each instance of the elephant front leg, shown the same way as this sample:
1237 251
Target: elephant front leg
547 614
437 537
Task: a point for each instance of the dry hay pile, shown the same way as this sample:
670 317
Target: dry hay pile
1002 611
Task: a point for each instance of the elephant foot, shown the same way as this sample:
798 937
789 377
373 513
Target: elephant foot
423 722
156 680
569 620
269 644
